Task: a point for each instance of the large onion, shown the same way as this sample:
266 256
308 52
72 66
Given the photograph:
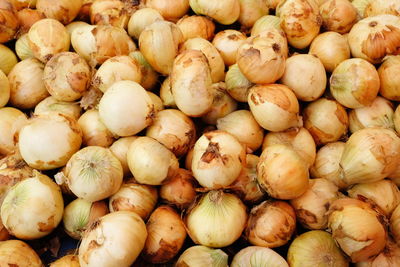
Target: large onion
11 122
18 253
64 11
251 11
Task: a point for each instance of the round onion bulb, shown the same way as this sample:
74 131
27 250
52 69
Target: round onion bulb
141 19
202 256
109 12
256 255
395 224
224 12
274 106
8 59
271 224
313 248
12 121
22 48
64 11
237 85
149 75
94 131
150 162
216 209
10 22
389 76
251 11
338 15
138 198
354 83
120 149
4 89
66 261
282 172
227 43
52 105
169 9
49 140
265 23
26 221
196 26
380 7
18 253
115 239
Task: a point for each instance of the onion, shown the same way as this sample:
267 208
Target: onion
66 261
166 93
75 25
18 253
22 47
305 75
115 239
149 75
202 256
313 248
271 224
80 214
49 140
389 75
166 234
170 9
157 102
26 80
191 83
360 6
255 255
357 229
48 37
10 23
395 224
26 221
7 59
64 11
396 119
120 149
282 172
274 106
251 11
237 85
94 131
209 220
151 162
12 121
27 17
312 206
196 26
331 48
21 4
141 19
300 20
224 12
52 105
379 7
338 15
354 83
265 23
390 256
84 12
109 12
227 43
4 89
299 139
159 44
375 37
370 155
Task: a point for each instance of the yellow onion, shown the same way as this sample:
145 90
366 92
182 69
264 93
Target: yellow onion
209 220
48 37
149 75
282 172
271 224
123 101
224 12
27 17
390 256
138 198
191 83
315 248
151 162
7 59
4 89
64 11
338 15
74 25
251 11
141 19
354 83
326 120
274 106
261 58
237 85
395 224
52 105
26 221
196 26
227 43
98 43
49 140
326 163
21 4
375 37
109 12
9 19
115 239
80 214
66 261
174 130
158 104
265 23
22 47
331 48
300 20
120 149
370 155
202 256
305 75
356 228
165 235
26 79
12 121
389 75
159 44
218 158
258 256
94 131
166 93
170 9
18 253
312 206
379 7
299 139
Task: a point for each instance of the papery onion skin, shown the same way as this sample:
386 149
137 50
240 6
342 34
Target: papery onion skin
109 12
227 43
120 149
253 255
18 253
64 11
27 17
12 121
170 9
265 23
251 11
389 76
237 85
52 105
141 19
66 261
202 256
7 59
94 131
225 12
196 26
338 15
4 89
10 23
71 27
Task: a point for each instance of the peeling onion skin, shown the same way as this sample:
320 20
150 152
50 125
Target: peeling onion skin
109 12
18 253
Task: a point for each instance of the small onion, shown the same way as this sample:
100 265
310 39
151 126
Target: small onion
64 11
120 149
209 220
48 37
22 47
18 253
224 12
237 85
390 256
196 26
7 59
282 172
227 43
338 15
379 7
315 248
4 89
115 239
395 224
151 162
331 48
26 221
141 19
265 23
10 23
274 106
27 17
389 76
109 12
166 234
356 228
170 9
12 121
94 131
354 83
202 256
138 198
251 11
66 261
149 75
271 224
52 105
258 256
79 214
